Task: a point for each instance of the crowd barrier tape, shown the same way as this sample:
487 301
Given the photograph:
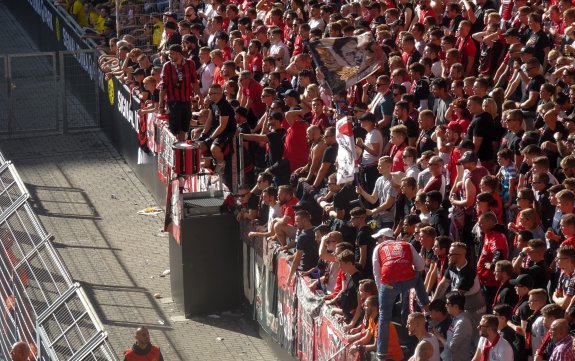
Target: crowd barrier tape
293 315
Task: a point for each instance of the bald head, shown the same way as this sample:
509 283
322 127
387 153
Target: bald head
20 351
559 329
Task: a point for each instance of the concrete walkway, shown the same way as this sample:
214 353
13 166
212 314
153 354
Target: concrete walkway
88 198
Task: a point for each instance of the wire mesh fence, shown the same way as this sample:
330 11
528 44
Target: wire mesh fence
39 302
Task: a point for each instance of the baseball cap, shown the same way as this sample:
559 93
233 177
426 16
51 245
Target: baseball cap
171 14
384 232
468 157
522 280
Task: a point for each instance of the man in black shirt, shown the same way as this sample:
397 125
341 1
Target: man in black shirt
539 39
528 104
439 217
275 163
531 261
506 292
480 132
346 300
512 139
307 251
220 127
364 242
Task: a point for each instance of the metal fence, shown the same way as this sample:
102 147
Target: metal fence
39 302
48 92
79 89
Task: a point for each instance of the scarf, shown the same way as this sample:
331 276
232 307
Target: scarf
488 346
496 298
544 343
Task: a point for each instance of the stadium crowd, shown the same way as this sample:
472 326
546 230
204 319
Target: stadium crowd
463 201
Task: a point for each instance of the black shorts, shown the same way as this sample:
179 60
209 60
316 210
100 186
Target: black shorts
221 140
180 114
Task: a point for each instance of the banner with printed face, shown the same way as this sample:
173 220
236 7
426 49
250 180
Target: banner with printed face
345 61
346 151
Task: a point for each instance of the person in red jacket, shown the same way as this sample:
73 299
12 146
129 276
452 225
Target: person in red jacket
396 267
142 349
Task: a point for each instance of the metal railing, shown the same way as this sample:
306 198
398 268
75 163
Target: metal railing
39 302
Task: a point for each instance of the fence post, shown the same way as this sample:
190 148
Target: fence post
62 92
240 149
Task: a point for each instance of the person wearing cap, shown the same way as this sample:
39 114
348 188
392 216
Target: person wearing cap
177 87
173 37
521 313
396 267
371 150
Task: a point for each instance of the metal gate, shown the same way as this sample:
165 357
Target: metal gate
45 93
79 88
39 302
31 94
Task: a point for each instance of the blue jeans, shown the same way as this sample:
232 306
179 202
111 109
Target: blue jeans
387 295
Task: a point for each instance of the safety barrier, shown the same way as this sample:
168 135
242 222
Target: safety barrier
39 301
293 315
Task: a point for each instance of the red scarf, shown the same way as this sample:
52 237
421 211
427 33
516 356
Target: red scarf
544 343
487 347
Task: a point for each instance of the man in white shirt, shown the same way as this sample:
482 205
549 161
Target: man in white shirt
491 345
416 327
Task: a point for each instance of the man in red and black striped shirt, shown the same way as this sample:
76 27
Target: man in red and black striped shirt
178 85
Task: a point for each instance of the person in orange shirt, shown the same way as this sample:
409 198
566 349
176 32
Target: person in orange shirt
367 342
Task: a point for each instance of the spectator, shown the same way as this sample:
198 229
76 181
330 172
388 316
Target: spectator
416 327
346 299
384 193
491 344
549 314
178 82
505 292
395 267
306 255
143 348
20 351
457 345
563 349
